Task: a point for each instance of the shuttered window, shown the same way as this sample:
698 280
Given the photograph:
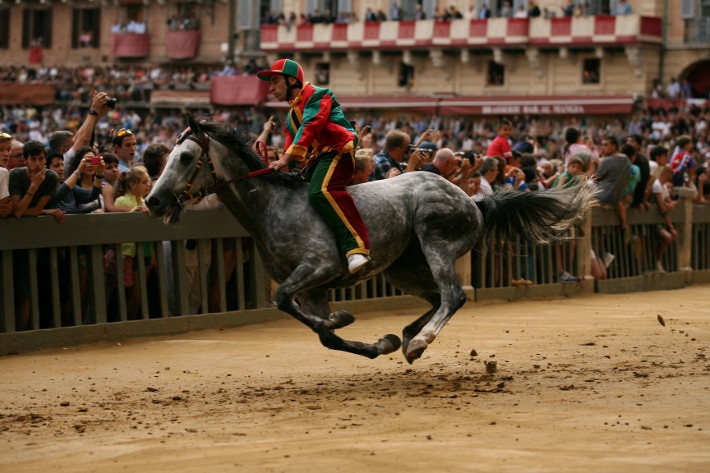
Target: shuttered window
687 9
37 28
4 28
86 24
245 15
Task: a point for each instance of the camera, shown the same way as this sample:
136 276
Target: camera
414 149
95 160
111 102
470 155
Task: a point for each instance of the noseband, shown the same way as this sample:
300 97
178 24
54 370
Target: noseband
188 196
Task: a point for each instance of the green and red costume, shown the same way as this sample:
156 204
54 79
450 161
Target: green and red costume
317 132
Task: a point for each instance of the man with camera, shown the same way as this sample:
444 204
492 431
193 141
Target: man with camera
399 157
66 143
457 168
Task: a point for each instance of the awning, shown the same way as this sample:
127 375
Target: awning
238 90
12 93
180 98
513 105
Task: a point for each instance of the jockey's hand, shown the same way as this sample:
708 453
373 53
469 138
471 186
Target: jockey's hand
281 163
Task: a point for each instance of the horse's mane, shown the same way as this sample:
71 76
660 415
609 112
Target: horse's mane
239 142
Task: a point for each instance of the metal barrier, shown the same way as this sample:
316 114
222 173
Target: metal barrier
57 270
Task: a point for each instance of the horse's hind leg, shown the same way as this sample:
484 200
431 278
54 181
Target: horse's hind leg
452 299
316 302
429 274
412 275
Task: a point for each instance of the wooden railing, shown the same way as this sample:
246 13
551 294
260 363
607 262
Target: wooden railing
68 289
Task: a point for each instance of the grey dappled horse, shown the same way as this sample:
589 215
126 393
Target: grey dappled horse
418 223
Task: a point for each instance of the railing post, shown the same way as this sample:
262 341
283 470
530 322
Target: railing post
7 302
463 271
584 247
686 197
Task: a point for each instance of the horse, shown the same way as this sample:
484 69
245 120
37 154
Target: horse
419 224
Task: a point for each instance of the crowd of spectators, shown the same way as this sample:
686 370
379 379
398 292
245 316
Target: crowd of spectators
570 9
127 83
131 26
187 22
654 151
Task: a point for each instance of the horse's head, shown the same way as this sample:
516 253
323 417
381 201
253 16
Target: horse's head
189 171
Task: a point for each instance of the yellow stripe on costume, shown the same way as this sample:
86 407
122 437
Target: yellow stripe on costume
298 150
333 203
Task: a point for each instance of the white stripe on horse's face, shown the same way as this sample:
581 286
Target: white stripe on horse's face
178 171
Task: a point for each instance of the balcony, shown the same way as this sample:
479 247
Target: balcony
590 31
182 44
130 45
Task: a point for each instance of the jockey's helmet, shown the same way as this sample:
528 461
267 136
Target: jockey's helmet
287 67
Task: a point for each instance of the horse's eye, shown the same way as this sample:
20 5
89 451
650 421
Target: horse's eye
185 158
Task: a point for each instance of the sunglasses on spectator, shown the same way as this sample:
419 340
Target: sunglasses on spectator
124 132
5 136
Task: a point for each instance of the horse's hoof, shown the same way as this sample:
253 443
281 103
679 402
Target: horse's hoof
389 343
415 349
340 319
405 343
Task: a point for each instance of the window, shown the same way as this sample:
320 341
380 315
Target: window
36 28
322 74
496 74
4 28
85 26
590 71
406 75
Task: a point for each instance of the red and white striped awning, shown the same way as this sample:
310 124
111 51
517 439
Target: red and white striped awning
494 32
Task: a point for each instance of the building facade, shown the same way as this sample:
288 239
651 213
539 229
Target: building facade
596 61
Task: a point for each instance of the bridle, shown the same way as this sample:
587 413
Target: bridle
188 196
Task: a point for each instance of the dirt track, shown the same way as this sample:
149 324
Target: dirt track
587 384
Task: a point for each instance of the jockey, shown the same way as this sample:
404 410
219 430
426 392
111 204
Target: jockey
316 131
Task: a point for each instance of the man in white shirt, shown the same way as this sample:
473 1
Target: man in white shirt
488 171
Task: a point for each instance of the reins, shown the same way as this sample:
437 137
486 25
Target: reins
187 196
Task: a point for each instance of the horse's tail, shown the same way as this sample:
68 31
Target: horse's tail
538 217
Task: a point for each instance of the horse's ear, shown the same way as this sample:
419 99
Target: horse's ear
192 123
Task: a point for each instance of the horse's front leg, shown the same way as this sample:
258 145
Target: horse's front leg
316 302
303 278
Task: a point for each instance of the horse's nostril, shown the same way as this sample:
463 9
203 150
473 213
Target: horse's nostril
153 201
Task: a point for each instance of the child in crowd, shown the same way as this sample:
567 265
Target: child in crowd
682 162
573 175
667 232
133 186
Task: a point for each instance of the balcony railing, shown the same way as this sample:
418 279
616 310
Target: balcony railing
130 45
491 33
182 44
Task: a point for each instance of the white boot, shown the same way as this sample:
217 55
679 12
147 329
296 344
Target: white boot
356 261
